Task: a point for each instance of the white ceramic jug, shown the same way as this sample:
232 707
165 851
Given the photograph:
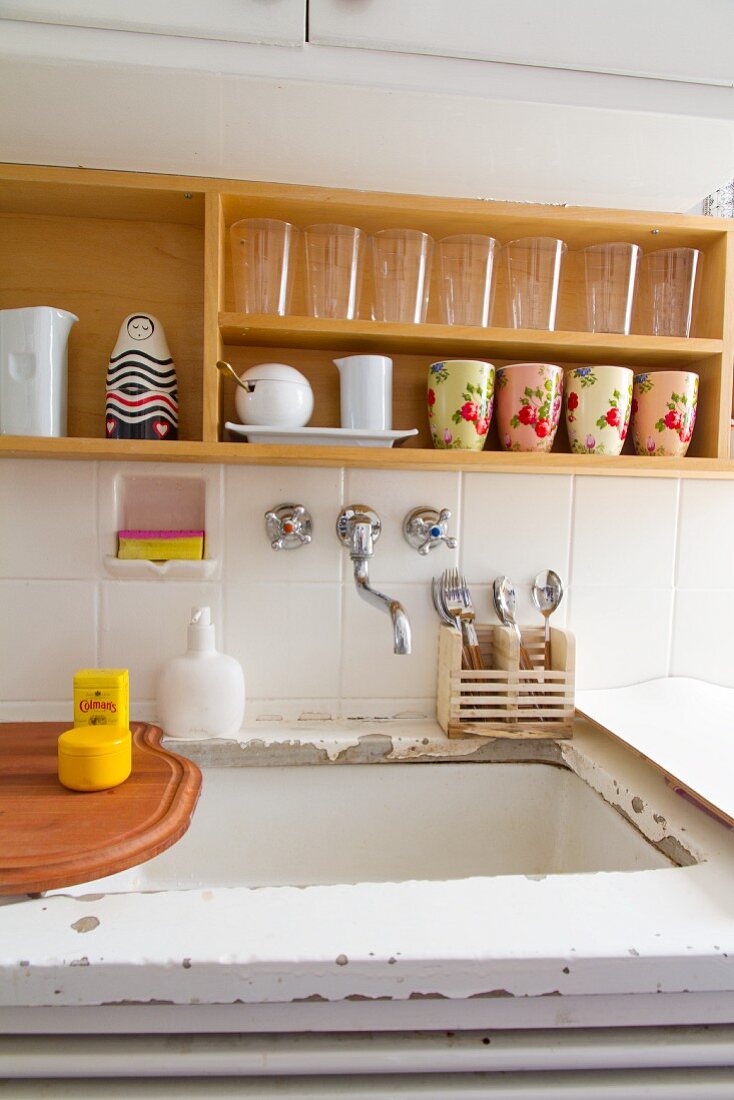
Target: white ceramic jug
366 392
33 344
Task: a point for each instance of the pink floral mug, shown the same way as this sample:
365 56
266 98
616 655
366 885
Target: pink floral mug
664 405
529 397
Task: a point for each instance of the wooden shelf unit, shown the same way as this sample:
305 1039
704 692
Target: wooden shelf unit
104 244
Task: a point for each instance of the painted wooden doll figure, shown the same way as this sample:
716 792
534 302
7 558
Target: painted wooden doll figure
142 399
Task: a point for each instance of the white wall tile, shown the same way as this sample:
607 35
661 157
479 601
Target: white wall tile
706 535
48 631
370 668
515 525
49 519
287 638
393 494
622 636
250 492
143 625
702 644
624 531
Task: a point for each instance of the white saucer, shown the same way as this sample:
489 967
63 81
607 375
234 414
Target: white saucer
319 437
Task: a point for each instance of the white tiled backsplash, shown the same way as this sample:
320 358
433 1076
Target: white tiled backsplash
649 566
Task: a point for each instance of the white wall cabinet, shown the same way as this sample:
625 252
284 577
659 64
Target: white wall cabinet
273 22
687 40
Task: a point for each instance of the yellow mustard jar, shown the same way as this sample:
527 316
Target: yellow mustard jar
93 758
101 697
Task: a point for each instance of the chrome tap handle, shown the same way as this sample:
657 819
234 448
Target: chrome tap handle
426 528
288 526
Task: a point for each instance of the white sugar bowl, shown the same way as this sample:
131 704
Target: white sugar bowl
275 395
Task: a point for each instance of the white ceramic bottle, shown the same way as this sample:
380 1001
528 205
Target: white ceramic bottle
201 694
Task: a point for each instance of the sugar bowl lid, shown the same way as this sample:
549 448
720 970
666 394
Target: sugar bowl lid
275 372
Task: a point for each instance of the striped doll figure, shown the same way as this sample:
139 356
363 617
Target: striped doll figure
142 400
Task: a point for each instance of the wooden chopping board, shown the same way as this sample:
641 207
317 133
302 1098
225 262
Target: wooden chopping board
52 837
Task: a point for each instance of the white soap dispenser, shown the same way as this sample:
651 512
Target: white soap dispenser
201 694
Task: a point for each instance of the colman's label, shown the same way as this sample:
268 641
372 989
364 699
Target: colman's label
101 697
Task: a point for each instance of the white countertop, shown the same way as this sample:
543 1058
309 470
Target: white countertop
535 943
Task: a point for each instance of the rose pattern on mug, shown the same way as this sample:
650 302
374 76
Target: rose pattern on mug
664 410
460 403
529 396
598 406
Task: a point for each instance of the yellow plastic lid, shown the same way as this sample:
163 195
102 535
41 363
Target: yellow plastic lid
93 740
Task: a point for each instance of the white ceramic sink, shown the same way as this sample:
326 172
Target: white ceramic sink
327 825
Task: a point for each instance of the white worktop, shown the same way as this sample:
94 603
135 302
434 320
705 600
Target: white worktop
510 950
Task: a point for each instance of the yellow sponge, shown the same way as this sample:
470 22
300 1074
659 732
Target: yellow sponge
161 545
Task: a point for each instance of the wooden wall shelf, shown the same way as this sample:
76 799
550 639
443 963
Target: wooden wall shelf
397 458
241 329
104 244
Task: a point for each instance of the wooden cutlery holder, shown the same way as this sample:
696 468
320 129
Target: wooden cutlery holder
503 699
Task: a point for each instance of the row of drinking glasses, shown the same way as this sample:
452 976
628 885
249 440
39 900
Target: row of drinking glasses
617 277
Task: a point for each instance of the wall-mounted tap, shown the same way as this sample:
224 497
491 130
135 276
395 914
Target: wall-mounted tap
358 528
426 528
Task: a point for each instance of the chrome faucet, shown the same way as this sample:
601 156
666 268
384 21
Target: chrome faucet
358 528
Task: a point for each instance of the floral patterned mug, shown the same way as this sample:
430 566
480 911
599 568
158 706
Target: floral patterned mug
528 405
664 404
598 403
460 402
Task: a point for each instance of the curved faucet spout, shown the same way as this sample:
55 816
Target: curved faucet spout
400 624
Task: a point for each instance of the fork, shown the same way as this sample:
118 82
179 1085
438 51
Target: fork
440 604
459 606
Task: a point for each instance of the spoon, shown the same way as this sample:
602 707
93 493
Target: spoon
227 368
505 603
547 593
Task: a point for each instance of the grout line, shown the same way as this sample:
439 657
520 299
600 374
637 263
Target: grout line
674 600
571 532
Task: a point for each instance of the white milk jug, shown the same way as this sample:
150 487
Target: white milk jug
365 385
33 386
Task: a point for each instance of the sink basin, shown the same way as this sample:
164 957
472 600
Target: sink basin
328 825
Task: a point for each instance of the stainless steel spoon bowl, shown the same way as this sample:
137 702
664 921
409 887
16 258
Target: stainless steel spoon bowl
547 593
504 597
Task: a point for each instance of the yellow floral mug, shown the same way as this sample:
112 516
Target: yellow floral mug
460 403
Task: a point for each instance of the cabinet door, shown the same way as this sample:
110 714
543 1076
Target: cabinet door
278 22
668 39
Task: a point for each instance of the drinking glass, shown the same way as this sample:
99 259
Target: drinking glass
334 265
610 275
533 269
401 263
668 280
263 264
466 268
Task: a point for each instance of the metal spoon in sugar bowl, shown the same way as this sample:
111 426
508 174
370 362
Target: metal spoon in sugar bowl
547 593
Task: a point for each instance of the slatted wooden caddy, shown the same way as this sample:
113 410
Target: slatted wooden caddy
51 837
105 244
504 700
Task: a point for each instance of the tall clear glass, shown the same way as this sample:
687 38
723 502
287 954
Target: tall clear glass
264 253
610 276
466 283
334 266
533 270
401 269
668 281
